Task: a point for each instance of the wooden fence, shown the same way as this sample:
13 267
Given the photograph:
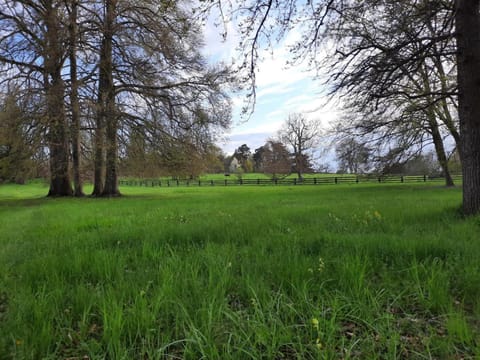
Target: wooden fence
348 179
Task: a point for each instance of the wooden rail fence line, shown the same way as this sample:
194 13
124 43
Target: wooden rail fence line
291 181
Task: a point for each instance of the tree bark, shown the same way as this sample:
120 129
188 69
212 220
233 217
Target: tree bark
57 128
111 122
75 107
467 19
99 138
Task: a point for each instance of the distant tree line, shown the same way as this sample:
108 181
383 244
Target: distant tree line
289 151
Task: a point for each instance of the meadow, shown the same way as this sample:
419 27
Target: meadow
361 271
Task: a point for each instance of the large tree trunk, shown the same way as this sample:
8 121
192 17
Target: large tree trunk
106 61
57 127
99 151
111 174
57 141
75 107
299 166
99 136
467 19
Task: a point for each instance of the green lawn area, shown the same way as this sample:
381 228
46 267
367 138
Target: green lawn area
359 271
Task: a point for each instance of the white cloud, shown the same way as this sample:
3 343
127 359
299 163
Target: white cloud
296 102
281 90
273 70
275 89
217 47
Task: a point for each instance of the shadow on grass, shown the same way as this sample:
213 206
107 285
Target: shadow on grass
20 203
9 203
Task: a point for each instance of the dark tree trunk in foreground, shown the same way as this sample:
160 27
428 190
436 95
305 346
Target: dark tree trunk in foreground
467 19
75 107
108 103
111 165
57 141
57 127
99 139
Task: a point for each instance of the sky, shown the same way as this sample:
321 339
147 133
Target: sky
281 90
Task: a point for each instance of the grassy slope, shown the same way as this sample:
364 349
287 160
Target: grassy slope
359 271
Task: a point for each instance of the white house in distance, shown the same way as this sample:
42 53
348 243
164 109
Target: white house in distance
234 165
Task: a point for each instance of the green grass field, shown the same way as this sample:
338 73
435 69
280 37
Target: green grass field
308 272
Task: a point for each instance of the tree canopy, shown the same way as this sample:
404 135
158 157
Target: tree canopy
100 69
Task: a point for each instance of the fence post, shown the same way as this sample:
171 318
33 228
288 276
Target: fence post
424 178
401 179
276 181
225 182
258 181
211 182
315 181
336 180
168 183
379 179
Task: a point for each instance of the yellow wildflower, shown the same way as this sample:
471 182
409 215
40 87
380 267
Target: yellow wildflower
321 265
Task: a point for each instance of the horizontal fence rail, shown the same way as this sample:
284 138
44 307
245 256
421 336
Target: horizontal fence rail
321 180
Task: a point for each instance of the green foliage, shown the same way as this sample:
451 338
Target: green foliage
248 166
364 272
16 143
